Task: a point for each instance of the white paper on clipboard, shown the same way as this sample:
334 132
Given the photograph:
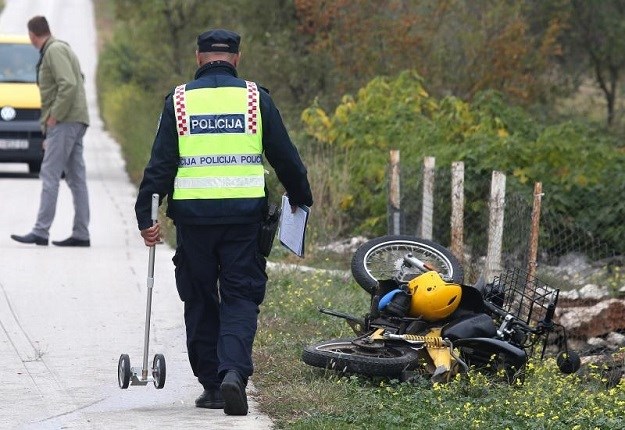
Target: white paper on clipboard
293 227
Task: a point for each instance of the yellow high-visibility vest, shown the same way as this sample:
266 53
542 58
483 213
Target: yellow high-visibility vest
220 143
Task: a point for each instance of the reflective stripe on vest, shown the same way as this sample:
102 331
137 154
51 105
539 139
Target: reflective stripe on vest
220 143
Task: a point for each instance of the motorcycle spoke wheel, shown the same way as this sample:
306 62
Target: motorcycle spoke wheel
343 356
381 259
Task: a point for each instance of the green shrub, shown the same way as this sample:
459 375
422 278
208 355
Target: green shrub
580 165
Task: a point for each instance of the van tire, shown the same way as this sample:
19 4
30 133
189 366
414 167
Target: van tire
34 167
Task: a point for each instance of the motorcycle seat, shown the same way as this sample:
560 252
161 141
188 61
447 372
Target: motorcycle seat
470 325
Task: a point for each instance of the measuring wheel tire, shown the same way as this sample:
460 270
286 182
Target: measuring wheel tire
342 355
159 371
123 371
381 258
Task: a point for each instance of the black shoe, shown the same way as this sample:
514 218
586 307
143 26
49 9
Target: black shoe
233 392
210 399
30 238
71 242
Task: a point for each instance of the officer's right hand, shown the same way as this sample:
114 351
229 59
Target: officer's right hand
151 235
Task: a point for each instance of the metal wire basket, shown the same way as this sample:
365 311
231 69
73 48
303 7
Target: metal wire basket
524 296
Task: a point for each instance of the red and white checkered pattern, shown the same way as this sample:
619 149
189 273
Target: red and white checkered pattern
252 107
181 111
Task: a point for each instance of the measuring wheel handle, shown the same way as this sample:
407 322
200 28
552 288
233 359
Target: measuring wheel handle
159 371
123 371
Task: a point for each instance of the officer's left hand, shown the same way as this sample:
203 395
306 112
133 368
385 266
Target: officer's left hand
152 235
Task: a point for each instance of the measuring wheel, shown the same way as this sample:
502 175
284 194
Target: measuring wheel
123 371
127 375
159 371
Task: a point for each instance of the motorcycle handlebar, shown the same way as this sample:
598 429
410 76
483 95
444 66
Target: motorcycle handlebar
494 309
545 323
503 314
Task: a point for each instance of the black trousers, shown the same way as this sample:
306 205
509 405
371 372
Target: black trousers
221 278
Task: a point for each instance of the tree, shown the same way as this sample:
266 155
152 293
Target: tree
460 47
362 39
597 27
279 58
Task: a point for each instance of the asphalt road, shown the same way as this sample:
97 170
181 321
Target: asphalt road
66 315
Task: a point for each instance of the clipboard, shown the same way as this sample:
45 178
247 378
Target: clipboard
293 227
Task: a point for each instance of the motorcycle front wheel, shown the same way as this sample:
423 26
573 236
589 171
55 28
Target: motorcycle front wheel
381 258
342 355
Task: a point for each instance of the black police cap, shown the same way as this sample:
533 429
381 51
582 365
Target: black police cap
218 40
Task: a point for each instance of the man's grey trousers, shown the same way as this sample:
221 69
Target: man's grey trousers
64 154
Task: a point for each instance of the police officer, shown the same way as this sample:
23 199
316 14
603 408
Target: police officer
207 158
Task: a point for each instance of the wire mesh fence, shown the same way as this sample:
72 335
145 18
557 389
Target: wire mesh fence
413 214
566 249
573 254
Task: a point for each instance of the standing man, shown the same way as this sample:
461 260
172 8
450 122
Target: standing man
64 120
207 158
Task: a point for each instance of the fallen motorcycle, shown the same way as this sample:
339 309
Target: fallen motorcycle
424 321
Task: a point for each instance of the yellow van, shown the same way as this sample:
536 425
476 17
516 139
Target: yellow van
20 105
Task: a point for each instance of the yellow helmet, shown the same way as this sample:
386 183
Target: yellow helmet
432 298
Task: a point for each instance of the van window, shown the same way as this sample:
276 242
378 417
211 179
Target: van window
18 62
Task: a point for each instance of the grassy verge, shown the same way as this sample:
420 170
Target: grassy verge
297 396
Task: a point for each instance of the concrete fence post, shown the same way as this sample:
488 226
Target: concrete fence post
495 225
457 210
394 194
427 213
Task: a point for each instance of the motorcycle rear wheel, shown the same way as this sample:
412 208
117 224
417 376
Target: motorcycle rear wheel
381 258
342 355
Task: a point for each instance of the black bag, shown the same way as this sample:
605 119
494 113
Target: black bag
268 229
399 304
